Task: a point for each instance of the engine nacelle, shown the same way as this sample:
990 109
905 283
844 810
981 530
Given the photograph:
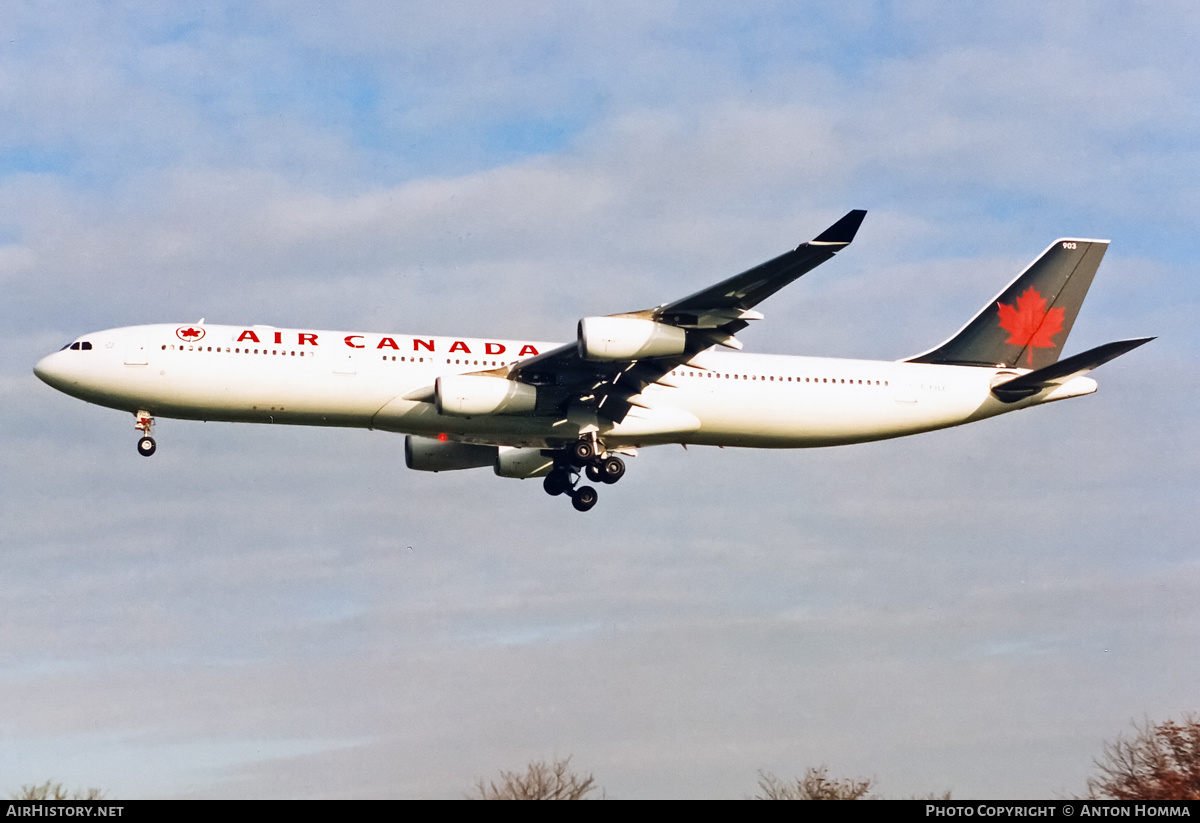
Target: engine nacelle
468 395
628 338
522 463
427 454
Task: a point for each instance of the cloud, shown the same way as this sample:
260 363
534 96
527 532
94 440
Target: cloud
267 611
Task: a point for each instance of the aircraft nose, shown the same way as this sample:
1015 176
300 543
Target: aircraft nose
50 370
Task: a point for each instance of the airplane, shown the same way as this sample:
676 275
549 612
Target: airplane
628 381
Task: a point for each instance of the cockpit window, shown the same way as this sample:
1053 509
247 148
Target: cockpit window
79 344
85 345
75 346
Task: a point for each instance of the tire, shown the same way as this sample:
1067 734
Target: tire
556 482
583 498
594 472
612 470
582 452
146 446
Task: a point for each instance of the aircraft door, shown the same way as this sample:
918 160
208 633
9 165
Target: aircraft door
904 391
135 354
345 364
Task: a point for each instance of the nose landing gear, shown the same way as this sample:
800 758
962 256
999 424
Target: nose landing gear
145 445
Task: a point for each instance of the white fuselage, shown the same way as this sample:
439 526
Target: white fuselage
262 374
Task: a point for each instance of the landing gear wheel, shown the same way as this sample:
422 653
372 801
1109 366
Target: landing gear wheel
556 482
583 498
582 452
146 446
612 469
595 471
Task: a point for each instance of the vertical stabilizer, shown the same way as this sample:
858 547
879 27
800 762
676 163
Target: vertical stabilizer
1027 324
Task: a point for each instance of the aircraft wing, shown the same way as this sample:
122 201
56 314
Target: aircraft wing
709 317
744 291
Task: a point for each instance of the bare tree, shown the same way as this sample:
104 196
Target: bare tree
815 785
55 791
540 781
1157 762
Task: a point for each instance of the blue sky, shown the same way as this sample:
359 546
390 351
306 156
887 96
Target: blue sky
269 612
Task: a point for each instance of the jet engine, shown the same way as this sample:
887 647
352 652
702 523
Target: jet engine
468 395
428 454
523 463
628 338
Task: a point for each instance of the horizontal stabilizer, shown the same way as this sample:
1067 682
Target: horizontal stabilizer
1030 384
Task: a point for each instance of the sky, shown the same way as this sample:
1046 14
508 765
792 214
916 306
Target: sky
280 612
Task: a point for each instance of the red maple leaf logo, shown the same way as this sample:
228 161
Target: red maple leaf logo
1029 324
189 333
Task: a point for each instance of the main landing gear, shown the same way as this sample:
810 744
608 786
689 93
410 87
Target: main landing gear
599 467
145 445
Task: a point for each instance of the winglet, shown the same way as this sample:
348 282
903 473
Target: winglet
842 232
